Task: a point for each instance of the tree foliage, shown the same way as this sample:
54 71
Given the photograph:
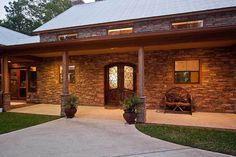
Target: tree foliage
26 15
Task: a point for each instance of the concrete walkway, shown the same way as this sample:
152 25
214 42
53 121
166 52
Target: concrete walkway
200 119
45 109
89 137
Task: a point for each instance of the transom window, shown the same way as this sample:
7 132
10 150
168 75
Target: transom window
120 31
67 37
187 72
187 24
71 74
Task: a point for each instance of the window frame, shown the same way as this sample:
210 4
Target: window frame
29 77
179 23
199 72
61 77
120 31
67 35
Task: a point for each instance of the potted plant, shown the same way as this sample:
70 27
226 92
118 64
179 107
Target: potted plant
71 106
129 107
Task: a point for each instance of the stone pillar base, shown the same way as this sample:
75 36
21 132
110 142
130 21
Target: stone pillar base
64 99
141 111
32 98
6 102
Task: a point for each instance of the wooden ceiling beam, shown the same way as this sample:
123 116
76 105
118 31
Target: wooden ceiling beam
26 58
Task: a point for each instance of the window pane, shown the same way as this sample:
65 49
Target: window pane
180 66
71 74
67 37
60 79
193 65
182 77
129 77
187 24
113 77
194 77
120 31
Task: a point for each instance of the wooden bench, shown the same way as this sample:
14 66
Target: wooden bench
178 99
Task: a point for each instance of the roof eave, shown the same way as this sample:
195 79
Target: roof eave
134 40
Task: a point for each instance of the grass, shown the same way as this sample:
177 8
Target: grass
221 141
15 121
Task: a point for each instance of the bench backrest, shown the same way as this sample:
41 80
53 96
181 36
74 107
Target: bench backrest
178 94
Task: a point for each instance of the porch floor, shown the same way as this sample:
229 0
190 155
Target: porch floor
199 119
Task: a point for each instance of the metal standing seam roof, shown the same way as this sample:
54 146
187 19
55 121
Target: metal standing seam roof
120 10
10 37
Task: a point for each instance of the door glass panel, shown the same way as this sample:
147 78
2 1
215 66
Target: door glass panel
113 77
14 83
129 77
22 83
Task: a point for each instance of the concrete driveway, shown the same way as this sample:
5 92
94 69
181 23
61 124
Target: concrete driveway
89 137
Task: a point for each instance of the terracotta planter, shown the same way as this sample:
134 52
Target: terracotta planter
130 117
70 113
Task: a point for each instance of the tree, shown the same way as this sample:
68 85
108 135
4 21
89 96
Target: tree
26 15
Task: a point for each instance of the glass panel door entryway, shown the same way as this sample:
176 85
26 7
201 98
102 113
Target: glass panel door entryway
18 83
120 82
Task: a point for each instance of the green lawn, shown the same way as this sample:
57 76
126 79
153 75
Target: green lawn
15 121
208 139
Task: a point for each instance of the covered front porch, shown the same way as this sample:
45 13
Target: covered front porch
154 55
198 119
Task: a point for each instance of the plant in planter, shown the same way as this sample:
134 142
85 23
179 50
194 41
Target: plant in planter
129 107
71 106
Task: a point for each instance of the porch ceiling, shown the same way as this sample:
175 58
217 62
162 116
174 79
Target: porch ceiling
201 38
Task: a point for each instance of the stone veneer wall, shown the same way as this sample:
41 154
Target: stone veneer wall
159 25
217 89
89 86
216 92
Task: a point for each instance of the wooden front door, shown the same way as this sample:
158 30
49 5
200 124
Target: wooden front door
120 83
18 83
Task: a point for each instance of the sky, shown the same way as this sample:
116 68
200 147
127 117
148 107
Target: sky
5 2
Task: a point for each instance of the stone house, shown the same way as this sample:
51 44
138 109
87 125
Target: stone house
105 51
